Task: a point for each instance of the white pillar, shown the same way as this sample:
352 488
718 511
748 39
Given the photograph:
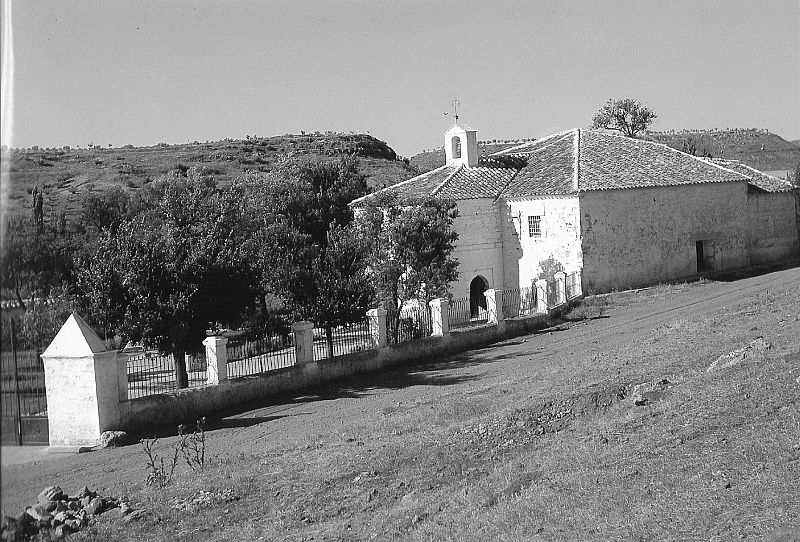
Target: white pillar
578 285
440 317
303 342
377 327
541 295
494 305
216 359
82 380
561 288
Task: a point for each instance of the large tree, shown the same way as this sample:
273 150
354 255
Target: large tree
165 275
630 117
308 255
412 245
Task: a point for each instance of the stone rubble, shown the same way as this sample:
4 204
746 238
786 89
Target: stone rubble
56 514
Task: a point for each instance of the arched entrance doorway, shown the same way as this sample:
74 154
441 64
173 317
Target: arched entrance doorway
477 300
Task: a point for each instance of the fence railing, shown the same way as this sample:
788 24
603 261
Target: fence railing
355 337
519 302
251 355
573 285
414 323
26 395
151 372
154 372
467 312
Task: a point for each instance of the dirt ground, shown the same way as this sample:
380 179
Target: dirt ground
504 375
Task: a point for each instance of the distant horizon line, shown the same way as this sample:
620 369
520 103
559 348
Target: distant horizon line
319 133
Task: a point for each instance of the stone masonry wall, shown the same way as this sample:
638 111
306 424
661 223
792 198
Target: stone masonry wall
560 238
773 226
638 237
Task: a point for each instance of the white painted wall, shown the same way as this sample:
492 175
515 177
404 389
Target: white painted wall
560 227
479 248
637 237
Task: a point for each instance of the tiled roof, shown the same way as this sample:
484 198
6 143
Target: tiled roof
475 182
759 179
421 185
610 161
578 161
454 182
605 162
550 167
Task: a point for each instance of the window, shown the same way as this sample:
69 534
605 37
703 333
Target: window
456 147
534 226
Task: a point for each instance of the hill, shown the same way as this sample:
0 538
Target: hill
66 174
760 149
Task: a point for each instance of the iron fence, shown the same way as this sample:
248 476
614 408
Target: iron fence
573 285
414 322
249 355
154 372
346 339
519 302
467 312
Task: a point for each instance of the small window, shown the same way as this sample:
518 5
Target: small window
534 226
456 147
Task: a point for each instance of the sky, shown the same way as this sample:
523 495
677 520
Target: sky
143 72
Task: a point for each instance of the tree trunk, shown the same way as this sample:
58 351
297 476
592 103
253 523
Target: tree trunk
181 376
329 339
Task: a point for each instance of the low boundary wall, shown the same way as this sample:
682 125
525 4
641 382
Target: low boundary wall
101 407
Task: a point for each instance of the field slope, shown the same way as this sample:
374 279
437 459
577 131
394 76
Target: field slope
545 437
67 175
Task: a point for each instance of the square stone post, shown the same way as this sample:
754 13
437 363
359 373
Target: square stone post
578 285
541 295
440 317
82 380
561 288
303 342
216 359
377 327
494 305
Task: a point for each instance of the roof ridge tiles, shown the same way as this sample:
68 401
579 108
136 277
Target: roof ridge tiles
447 179
511 150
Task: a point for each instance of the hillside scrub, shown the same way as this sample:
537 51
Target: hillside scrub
66 174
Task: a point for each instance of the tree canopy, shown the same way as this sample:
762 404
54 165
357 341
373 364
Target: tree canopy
412 245
630 117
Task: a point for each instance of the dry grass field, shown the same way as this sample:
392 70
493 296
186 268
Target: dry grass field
671 413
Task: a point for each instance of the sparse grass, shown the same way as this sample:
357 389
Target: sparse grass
716 458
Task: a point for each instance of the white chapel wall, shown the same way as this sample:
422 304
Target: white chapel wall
479 248
559 237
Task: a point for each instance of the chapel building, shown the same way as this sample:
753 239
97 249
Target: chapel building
624 212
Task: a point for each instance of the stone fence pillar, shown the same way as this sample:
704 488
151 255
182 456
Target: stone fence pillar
216 359
541 295
578 285
494 305
440 317
377 327
83 385
303 342
561 288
